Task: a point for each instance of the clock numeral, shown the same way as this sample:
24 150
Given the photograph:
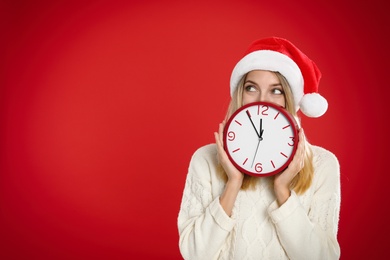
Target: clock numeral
264 111
258 167
273 165
292 140
231 136
245 161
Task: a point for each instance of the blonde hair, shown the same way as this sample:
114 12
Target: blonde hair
304 178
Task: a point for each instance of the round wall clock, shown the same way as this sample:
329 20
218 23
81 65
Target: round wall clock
261 138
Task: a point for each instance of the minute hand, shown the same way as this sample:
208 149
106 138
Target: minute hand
254 127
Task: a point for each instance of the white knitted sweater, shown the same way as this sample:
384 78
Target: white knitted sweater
304 227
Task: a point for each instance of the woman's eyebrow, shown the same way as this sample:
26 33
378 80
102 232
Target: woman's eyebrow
272 85
250 81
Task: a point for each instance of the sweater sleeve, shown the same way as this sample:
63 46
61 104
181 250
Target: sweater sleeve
203 224
312 235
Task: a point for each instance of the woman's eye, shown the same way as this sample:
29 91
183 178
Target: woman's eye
277 91
250 88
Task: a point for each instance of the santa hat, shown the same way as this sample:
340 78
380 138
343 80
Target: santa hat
302 74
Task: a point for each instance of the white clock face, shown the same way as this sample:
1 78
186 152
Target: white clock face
261 138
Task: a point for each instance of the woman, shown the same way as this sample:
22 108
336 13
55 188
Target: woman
226 214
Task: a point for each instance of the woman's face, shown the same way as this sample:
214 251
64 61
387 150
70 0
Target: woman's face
262 85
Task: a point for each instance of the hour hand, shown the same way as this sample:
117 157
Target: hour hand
254 127
261 129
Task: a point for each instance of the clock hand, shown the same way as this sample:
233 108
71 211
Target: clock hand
260 139
254 127
261 129
258 144
257 148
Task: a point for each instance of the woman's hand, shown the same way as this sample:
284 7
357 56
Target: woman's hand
283 180
232 173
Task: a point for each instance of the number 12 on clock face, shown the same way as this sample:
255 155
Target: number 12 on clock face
261 138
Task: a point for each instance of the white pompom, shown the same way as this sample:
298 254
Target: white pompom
313 105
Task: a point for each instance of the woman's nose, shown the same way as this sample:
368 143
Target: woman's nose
262 97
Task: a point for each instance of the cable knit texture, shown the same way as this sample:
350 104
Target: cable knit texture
304 227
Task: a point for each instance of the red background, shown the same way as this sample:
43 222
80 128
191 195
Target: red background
102 104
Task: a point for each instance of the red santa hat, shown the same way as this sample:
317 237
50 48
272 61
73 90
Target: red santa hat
280 55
